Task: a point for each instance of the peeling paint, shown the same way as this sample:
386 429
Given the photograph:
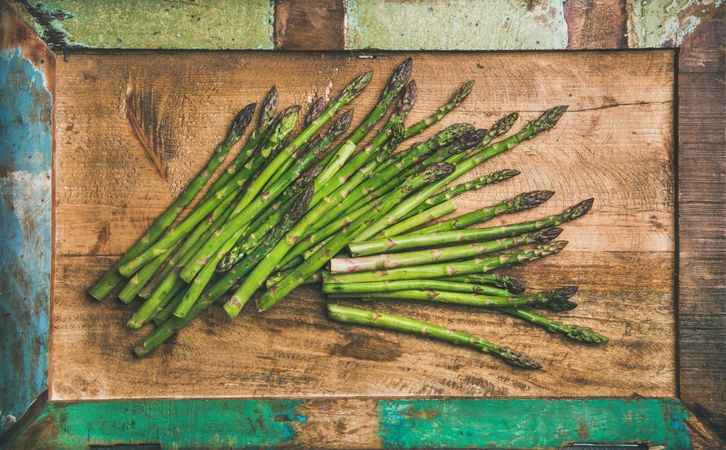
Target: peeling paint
455 25
25 227
151 24
666 23
531 423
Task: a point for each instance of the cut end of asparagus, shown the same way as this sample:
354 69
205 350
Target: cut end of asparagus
461 93
579 209
140 350
240 123
517 359
503 125
529 200
315 110
399 77
542 236
407 98
269 105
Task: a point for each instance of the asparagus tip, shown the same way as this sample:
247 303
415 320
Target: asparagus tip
400 75
315 110
269 104
513 284
532 199
438 171
407 98
556 246
359 83
301 204
463 92
241 121
342 124
580 209
584 334
517 359
452 134
549 118
546 235
502 175
474 138
503 125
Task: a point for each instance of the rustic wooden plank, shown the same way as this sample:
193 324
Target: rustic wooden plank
702 208
615 143
317 25
596 24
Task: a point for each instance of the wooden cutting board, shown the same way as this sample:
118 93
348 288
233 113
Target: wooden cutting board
614 144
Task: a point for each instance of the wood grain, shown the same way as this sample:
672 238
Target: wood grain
615 144
596 24
317 25
702 221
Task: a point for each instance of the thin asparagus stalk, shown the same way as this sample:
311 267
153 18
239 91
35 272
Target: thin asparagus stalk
419 219
406 242
512 284
385 321
522 202
313 264
544 122
112 277
437 255
557 300
573 332
140 278
405 285
455 100
453 191
173 235
167 311
478 265
245 212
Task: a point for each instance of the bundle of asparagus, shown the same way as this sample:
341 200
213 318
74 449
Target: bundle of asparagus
291 202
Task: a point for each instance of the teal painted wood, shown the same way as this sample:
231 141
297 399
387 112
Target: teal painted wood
531 423
25 230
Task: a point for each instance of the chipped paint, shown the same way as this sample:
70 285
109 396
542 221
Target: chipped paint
666 23
170 424
455 25
150 24
531 423
25 227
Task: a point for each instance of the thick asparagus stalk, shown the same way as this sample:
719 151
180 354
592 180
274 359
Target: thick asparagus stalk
544 122
522 202
557 300
479 265
316 261
385 321
405 285
455 100
437 255
398 243
419 219
453 191
111 278
574 332
512 284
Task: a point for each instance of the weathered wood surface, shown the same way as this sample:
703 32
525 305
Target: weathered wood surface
317 25
615 144
702 230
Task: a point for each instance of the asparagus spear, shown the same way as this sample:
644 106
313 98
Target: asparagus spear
398 243
453 191
111 278
557 300
478 265
546 121
437 255
369 318
419 219
283 126
455 100
521 202
574 332
405 285
310 266
512 284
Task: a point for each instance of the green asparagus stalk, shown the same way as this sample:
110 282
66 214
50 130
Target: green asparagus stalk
522 202
406 285
512 284
313 264
399 243
245 212
544 122
419 219
167 311
283 126
478 265
573 332
385 321
140 278
453 191
437 255
455 100
112 277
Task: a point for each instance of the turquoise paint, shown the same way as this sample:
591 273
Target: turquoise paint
172 424
531 423
25 227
